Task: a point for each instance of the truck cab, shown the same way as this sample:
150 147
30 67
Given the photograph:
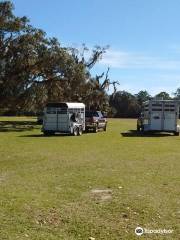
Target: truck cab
95 120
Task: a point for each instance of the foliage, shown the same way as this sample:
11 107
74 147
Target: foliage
142 96
35 69
177 94
125 104
163 95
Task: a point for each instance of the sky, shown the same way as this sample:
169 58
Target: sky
144 36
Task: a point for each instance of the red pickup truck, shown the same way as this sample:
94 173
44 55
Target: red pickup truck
95 120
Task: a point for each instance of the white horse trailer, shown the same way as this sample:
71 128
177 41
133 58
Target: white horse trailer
159 115
64 118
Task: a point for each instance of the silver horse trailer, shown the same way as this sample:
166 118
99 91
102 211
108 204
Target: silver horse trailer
64 118
159 115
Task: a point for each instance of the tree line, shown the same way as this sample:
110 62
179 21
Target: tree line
125 104
36 69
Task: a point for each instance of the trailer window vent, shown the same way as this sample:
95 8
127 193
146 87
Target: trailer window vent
62 111
157 109
73 110
51 111
169 110
156 105
169 105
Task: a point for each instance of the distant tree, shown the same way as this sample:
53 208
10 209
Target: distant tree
142 96
95 90
177 94
125 104
163 95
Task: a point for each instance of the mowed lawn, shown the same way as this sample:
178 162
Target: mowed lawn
100 185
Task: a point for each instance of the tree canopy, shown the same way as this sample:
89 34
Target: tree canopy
35 69
124 104
163 95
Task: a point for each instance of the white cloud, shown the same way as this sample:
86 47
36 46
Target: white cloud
128 60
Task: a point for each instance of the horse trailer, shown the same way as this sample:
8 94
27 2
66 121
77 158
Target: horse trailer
159 115
64 117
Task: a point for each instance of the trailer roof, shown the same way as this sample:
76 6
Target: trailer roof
65 105
158 100
75 105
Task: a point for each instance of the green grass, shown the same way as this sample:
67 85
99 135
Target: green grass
46 183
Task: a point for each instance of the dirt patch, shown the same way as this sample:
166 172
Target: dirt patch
101 195
51 217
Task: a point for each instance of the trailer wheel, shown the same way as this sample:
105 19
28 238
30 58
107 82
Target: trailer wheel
176 133
138 128
75 131
105 127
86 129
45 133
80 131
96 128
48 133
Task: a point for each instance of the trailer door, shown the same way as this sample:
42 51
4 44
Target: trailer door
50 123
156 116
170 117
62 120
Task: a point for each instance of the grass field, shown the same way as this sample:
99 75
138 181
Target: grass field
100 185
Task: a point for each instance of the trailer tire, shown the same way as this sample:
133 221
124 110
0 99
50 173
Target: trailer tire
45 133
176 133
96 128
138 128
86 129
75 131
48 133
80 131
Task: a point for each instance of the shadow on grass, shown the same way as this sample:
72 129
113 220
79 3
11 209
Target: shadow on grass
134 133
41 135
17 126
44 136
